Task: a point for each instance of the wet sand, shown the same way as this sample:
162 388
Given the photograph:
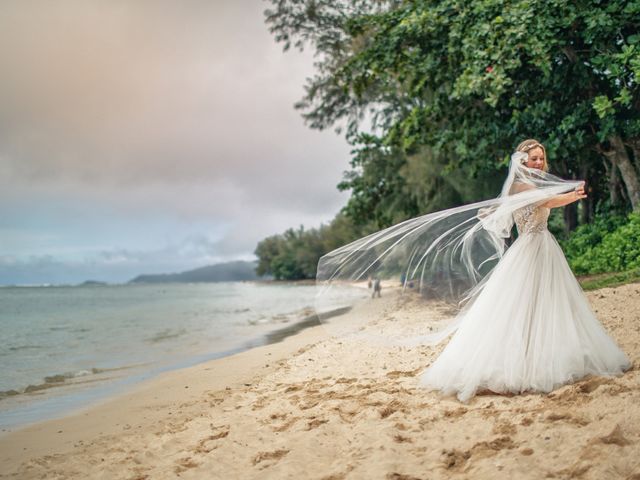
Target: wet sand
312 406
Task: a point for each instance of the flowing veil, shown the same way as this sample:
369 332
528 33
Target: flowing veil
439 261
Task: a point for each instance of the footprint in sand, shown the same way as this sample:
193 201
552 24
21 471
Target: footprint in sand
591 384
345 414
581 391
286 425
398 438
492 447
454 413
184 464
346 380
504 428
308 403
393 407
292 388
616 437
259 403
456 459
567 417
315 423
526 421
268 459
400 476
400 373
205 445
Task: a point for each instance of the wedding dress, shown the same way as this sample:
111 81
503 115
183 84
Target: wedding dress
521 322
531 327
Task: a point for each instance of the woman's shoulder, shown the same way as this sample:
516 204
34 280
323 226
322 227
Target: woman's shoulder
519 187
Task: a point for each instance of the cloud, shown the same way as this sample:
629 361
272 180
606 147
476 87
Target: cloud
153 92
176 109
117 265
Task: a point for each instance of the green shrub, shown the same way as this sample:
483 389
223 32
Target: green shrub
610 244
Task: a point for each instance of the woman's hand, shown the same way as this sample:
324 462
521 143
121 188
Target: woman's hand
579 193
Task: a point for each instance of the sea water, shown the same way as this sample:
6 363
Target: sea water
63 347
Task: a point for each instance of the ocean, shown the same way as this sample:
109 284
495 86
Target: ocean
63 348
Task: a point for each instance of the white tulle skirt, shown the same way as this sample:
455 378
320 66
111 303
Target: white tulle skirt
529 329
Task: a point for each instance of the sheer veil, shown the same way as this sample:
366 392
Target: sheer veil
439 261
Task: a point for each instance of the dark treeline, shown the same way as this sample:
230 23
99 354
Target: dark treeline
449 88
294 254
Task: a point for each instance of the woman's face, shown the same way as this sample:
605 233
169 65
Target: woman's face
536 158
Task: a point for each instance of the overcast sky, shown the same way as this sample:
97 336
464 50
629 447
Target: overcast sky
151 136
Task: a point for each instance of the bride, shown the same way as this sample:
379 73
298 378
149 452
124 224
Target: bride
523 322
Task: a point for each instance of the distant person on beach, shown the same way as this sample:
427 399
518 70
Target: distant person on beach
376 287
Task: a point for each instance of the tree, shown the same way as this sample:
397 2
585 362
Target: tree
266 251
454 85
294 254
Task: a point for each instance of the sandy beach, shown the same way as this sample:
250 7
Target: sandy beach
315 407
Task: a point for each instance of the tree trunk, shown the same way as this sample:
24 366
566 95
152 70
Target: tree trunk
619 157
587 204
586 212
570 217
634 143
613 181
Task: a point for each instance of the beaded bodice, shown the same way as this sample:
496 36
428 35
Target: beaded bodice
531 219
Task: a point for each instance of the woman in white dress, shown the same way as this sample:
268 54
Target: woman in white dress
531 327
523 323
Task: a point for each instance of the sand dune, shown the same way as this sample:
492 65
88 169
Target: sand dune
318 407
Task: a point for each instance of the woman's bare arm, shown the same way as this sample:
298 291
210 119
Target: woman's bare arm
566 198
557 201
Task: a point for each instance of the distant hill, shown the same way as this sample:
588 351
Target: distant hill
220 272
93 283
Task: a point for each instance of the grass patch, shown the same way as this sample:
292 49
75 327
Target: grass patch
612 279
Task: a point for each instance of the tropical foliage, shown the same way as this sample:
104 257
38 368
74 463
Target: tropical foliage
294 254
605 246
435 94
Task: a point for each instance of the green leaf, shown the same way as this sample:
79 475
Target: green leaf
624 98
603 106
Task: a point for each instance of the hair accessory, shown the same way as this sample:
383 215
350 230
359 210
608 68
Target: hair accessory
520 157
526 148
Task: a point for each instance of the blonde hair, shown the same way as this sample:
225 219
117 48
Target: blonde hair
530 144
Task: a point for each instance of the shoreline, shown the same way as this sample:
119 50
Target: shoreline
312 406
58 403
60 435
